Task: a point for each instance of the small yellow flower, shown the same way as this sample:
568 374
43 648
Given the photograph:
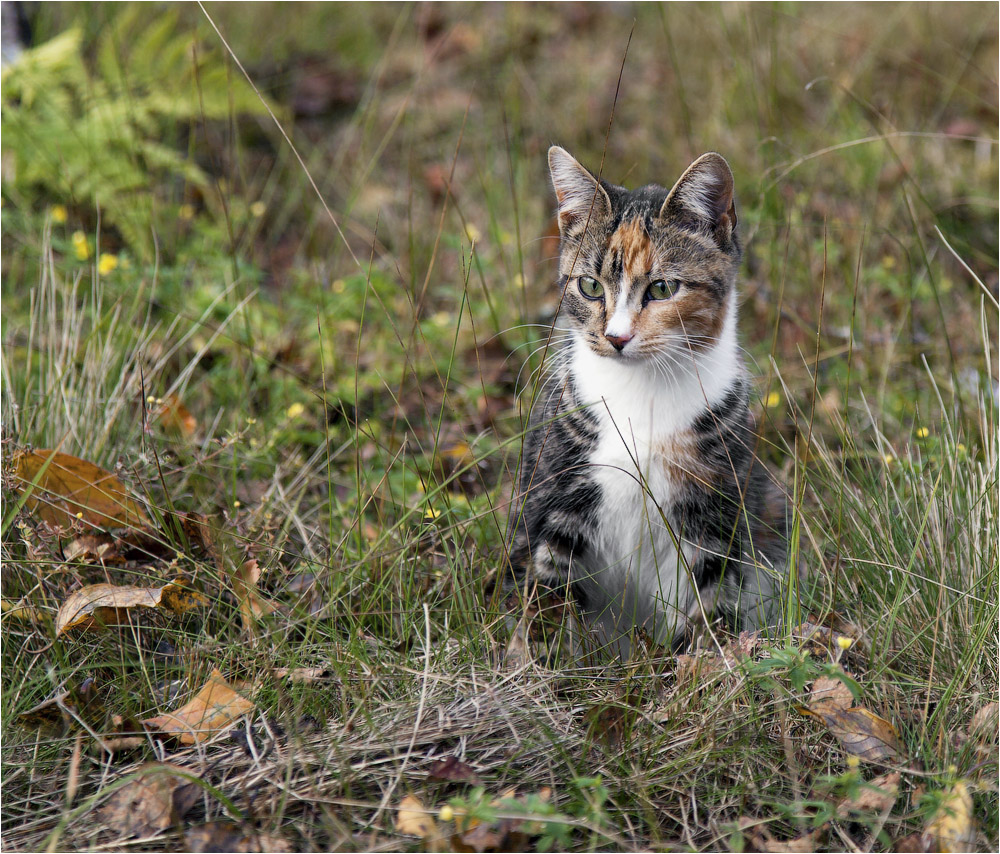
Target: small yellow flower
844 642
472 233
59 214
251 421
80 247
107 263
446 813
79 515
185 212
506 238
431 513
258 209
519 282
772 400
338 286
441 318
888 459
960 448
295 410
236 503
888 262
853 762
923 433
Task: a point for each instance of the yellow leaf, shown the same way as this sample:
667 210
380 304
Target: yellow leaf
67 489
99 605
211 710
413 819
951 828
20 612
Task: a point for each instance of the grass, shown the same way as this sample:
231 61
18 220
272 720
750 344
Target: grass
357 379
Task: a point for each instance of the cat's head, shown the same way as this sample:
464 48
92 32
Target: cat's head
649 271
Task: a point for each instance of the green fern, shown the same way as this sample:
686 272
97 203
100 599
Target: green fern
101 138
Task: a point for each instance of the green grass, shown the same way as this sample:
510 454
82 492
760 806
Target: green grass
358 372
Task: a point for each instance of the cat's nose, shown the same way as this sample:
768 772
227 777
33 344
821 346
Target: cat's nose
618 341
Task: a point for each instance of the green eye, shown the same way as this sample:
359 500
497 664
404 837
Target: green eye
661 290
591 288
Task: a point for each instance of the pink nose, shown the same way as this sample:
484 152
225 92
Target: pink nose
619 341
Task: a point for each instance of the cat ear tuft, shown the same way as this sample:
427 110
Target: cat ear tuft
578 192
704 195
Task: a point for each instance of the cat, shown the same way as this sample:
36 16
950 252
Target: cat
640 495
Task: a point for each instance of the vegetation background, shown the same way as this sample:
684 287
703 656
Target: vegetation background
301 317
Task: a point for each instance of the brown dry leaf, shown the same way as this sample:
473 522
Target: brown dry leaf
300 674
53 713
875 796
861 732
252 605
174 415
983 726
68 489
214 708
952 828
413 819
227 836
762 840
518 653
154 801
914 843
92 547
99 605
453 770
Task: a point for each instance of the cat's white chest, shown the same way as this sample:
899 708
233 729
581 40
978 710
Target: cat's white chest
638 569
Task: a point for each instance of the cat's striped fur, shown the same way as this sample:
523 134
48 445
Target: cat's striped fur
639 491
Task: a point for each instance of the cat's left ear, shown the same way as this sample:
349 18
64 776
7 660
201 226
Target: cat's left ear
704 197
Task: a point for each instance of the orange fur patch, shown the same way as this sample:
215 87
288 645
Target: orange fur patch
631 240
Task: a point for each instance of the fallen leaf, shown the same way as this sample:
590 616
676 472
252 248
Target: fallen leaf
413 819
762 840
227 836
52 713
860 732
68 490
983 726
518 653
91 547
211 710
174 415
301 674
252 604
99 605
951 828
453 770
875 796
914 843
154 801
20 612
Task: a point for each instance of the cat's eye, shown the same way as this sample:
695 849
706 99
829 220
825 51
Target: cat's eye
591 288
661 290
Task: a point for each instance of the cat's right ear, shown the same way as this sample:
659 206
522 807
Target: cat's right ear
580 196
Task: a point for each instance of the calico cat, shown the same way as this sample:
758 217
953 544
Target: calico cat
640 495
